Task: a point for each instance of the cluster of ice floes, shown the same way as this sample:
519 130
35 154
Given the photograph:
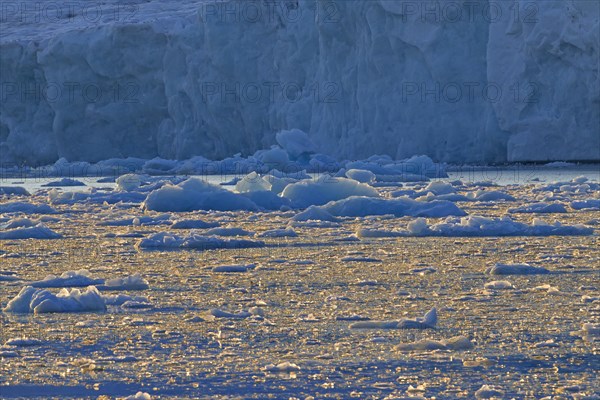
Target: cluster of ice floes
477 226
579 185
193 240
428 321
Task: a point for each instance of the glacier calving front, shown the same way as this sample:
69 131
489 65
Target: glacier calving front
461 81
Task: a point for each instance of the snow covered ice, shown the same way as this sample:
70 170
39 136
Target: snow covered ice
299 199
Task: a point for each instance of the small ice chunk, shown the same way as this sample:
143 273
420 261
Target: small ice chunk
23 342
361 175
233 268
282 367
133 282
137 396
499 285
489 392
225 314
278 233
453 343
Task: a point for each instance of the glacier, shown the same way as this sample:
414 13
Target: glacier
476 81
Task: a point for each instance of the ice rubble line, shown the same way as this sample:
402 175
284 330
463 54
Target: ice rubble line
181 62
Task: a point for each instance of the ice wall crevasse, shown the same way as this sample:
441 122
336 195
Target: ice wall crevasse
363 78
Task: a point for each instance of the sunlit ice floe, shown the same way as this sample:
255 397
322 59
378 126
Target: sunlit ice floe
40 301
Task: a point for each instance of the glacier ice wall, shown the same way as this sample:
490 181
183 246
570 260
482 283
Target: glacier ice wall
461 81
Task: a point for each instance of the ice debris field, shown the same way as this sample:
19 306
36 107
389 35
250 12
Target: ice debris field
376 279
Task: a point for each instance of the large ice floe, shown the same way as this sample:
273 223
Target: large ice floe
39 301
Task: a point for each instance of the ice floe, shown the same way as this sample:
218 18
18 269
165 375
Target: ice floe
193 224
499 285
81 278
361 175
325 189
13 191
40 231
38 301
128 182
23 342
233 268
314 213
591 204
516 269
26 208
539 208
278 233
64 182
474 225
217 313
453 343
282 367
195 194
428 321
399 207
133 282
167 240
489 392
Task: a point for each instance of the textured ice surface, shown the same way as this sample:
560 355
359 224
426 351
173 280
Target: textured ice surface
361 78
